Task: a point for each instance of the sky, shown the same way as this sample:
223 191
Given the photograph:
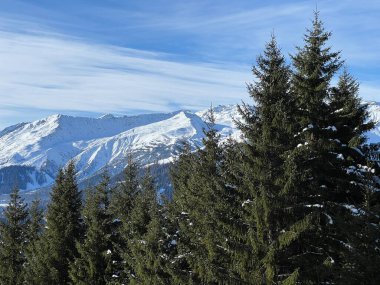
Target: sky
92 57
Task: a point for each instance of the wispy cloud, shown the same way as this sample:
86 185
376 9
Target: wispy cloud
184 55
50 73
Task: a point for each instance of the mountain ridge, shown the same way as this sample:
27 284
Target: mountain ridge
38 149
31 153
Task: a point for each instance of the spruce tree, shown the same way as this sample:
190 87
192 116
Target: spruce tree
35 227
205 206
268 130
13 240
308 168
123 195
38 270
233 218
49 263
180 174
93 265
191 203
35 231
348 113
122 202
350 117
319 182
147 240
364 256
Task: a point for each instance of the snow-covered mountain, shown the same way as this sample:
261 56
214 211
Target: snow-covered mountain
32 153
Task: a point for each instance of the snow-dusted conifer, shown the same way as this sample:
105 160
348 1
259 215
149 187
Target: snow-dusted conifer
204 205
95 253
49 262
121 204
331 126
148 244
268 129
13 240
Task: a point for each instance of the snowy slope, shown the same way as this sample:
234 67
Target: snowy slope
225 115
374 111
37 150
31 153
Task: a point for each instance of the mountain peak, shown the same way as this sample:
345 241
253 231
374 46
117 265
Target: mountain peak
103 143
107 116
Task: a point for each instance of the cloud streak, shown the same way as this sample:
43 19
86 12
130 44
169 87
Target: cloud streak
199 52
50 73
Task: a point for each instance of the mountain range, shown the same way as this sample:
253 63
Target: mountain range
32 153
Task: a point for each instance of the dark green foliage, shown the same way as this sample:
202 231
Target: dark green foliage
13 240
311 165
348 113
180 175
315 65
365 241
268 129
49 263
147 242
35 226
205 208
122 202
350 116
331 125
123 195
35 230
95 254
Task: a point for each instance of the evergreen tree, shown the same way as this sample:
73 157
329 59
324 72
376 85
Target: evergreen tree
191 203
318 180
123 195
49 263
297 201
351 119
35 231
308 166
95 254
180 174
233 218
364 258
268 130
147 240
348 113
36 221
13 240
205 206
122 202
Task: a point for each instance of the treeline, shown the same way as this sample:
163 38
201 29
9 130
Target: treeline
296 201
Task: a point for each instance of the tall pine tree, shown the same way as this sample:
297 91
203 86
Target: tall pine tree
205 206
35 231
147 253
180 173
36 215
318 180
95 254
122 202
49 263
350 117
268 131
13 240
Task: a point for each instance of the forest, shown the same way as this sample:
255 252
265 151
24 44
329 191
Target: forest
296 201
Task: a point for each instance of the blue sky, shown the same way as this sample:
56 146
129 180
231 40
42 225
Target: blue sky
90 57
